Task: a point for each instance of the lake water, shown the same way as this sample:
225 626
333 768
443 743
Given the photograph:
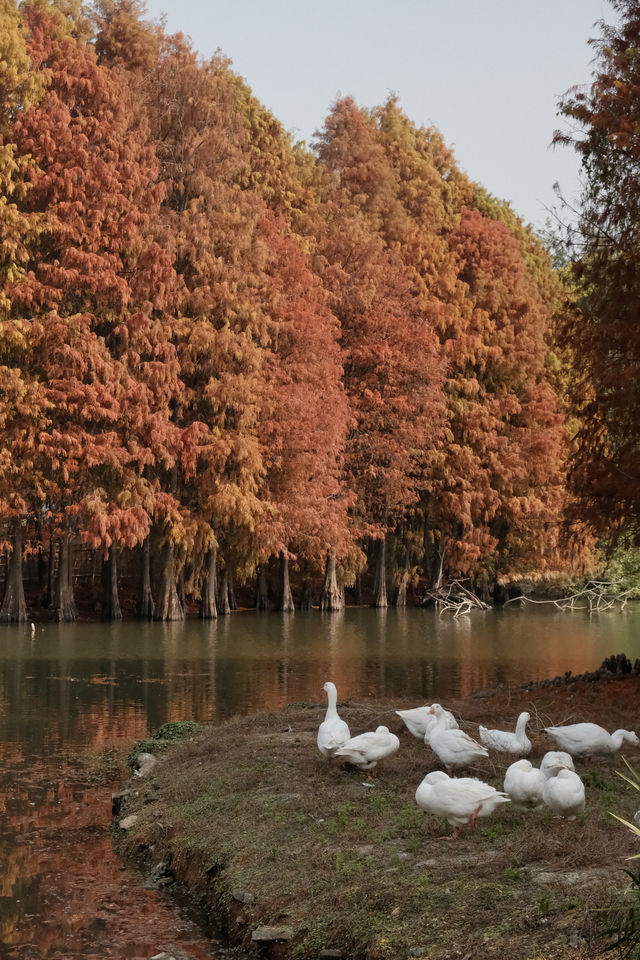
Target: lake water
73 688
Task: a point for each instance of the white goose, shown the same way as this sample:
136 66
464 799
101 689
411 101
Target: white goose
459 800
507 742
368 748
524 784
455 748
332 732
554 761
419 720
564 794
584 739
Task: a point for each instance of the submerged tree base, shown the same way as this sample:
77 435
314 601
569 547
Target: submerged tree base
251 838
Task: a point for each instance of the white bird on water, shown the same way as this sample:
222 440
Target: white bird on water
332 732
33 629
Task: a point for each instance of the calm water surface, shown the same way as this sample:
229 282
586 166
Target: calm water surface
74 688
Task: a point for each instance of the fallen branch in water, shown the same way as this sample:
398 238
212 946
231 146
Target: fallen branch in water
596 596
455 598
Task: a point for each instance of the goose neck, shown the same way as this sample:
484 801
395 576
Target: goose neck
332 701
617 738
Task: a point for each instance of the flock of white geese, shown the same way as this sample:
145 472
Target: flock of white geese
462 800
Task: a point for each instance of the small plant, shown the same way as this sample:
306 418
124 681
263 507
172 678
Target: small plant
544 905
634 781
171 732
626 921
176 730
494 831
593 779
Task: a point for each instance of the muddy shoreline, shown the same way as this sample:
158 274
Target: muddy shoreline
292 857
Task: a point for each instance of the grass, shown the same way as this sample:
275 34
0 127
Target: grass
252 806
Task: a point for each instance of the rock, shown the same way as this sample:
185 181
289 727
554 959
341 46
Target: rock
174 955
129 822
329 954
267 934
242 896
145 764
159 876
117 799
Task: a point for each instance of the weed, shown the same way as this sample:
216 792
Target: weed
625 920
343 813
544 905
593 780
493 831
349 866
169 733
378 802
626 923
176 730
410 818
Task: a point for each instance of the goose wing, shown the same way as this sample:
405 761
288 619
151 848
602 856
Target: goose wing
462 796
416 720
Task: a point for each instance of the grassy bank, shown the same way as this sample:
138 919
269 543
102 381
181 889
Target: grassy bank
262 830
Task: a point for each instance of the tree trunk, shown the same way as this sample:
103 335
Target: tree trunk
380 586
401 596
51 581
208 608
232 593
64 600
168 606
307 598
332 598
439 550
14 608
180 587
145 597
110 599
42 563
262 594
482 590
224 607
286 605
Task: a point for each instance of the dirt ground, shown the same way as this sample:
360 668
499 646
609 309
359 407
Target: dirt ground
257 826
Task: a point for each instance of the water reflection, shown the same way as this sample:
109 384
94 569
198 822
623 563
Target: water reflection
68 683
74 686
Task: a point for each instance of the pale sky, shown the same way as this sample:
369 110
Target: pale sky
486 73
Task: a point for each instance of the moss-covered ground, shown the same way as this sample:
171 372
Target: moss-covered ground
258 827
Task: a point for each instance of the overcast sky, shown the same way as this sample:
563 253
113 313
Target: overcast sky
486 73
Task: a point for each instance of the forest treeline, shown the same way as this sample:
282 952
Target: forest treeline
235 358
